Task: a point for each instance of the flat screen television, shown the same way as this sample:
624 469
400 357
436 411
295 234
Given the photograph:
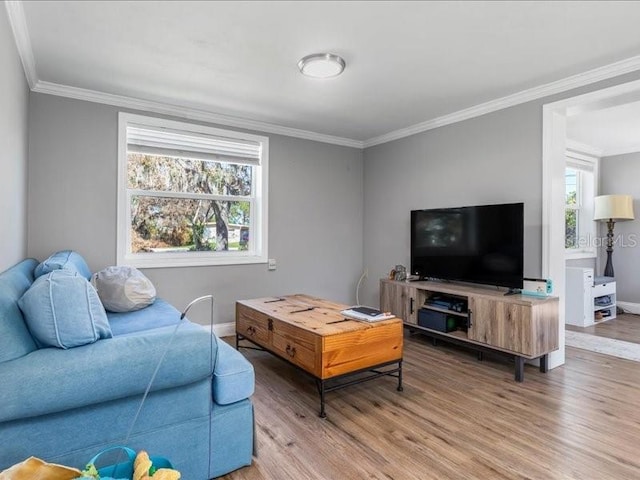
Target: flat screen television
480 244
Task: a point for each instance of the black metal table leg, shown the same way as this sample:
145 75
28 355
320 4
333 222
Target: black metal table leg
480 356
519 361
323 414
544 363
337 382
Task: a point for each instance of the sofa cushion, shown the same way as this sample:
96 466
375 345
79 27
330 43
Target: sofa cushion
159 314
63 310
64 260
233 376
15 339
123 289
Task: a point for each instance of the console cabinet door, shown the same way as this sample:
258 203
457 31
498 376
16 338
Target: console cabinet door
503 325
399 299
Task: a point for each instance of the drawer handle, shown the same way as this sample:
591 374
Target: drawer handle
251 331
291 351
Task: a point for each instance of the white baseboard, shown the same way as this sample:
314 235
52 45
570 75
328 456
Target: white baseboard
221 329
629 307
227 329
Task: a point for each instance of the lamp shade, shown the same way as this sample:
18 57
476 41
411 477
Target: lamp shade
614 207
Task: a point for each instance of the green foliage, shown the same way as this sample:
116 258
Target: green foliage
570 233
239 213
571 223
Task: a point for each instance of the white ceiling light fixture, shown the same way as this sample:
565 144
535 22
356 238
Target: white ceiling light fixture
322 65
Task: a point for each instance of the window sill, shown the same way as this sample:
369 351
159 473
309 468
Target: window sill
204 260
579 254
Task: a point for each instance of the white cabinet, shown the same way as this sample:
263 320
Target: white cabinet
590 299
604 298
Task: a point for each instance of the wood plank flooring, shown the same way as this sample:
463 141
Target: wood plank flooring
624 327
457 418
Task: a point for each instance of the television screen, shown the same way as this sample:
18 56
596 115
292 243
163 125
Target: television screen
481 244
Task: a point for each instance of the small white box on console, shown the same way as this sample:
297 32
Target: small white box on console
538 287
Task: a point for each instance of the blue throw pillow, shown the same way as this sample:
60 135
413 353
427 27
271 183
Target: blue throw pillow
63 310
64 260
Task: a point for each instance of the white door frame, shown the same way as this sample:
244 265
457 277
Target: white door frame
554 140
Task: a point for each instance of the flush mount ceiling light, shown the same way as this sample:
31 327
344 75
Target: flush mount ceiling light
321 65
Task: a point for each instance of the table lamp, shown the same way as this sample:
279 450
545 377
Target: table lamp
612 209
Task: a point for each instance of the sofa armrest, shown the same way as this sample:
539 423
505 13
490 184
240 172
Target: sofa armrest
233 376
53 380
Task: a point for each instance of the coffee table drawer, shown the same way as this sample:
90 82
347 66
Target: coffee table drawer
253 325
295 352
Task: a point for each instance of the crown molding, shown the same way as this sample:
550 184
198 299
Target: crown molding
188 113
586 78
18 24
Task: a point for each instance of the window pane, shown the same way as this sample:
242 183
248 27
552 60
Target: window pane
183 225
571 228
170 174
571 185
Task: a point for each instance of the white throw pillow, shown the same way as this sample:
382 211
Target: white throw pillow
123 289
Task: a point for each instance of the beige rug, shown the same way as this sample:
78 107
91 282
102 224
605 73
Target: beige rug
606 346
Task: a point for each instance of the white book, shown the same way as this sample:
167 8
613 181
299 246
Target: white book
366 314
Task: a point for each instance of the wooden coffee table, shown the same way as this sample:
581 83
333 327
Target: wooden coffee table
311 334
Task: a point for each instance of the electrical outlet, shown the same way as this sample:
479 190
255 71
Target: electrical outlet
272 264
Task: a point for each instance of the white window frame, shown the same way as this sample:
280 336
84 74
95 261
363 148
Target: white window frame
587 227
259 206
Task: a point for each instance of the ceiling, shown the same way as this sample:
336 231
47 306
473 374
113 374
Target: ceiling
408 63
610 131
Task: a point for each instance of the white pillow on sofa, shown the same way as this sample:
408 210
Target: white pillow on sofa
123 289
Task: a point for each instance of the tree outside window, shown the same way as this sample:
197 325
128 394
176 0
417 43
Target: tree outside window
580 228
571 209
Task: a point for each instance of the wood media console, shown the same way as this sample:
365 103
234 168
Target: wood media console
311 334
481 318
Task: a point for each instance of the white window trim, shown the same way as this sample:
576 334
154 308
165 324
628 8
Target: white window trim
259 222
582 161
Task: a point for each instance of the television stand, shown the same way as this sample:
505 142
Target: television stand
482 319
513 291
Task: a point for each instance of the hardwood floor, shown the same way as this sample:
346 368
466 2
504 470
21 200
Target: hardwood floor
457 418
624 327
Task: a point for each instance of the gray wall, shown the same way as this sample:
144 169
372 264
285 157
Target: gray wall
489 159
315 210
14 103
620 174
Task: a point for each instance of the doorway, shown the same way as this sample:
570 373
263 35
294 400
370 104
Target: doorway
557 118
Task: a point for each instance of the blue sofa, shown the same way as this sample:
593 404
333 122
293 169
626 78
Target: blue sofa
65 405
